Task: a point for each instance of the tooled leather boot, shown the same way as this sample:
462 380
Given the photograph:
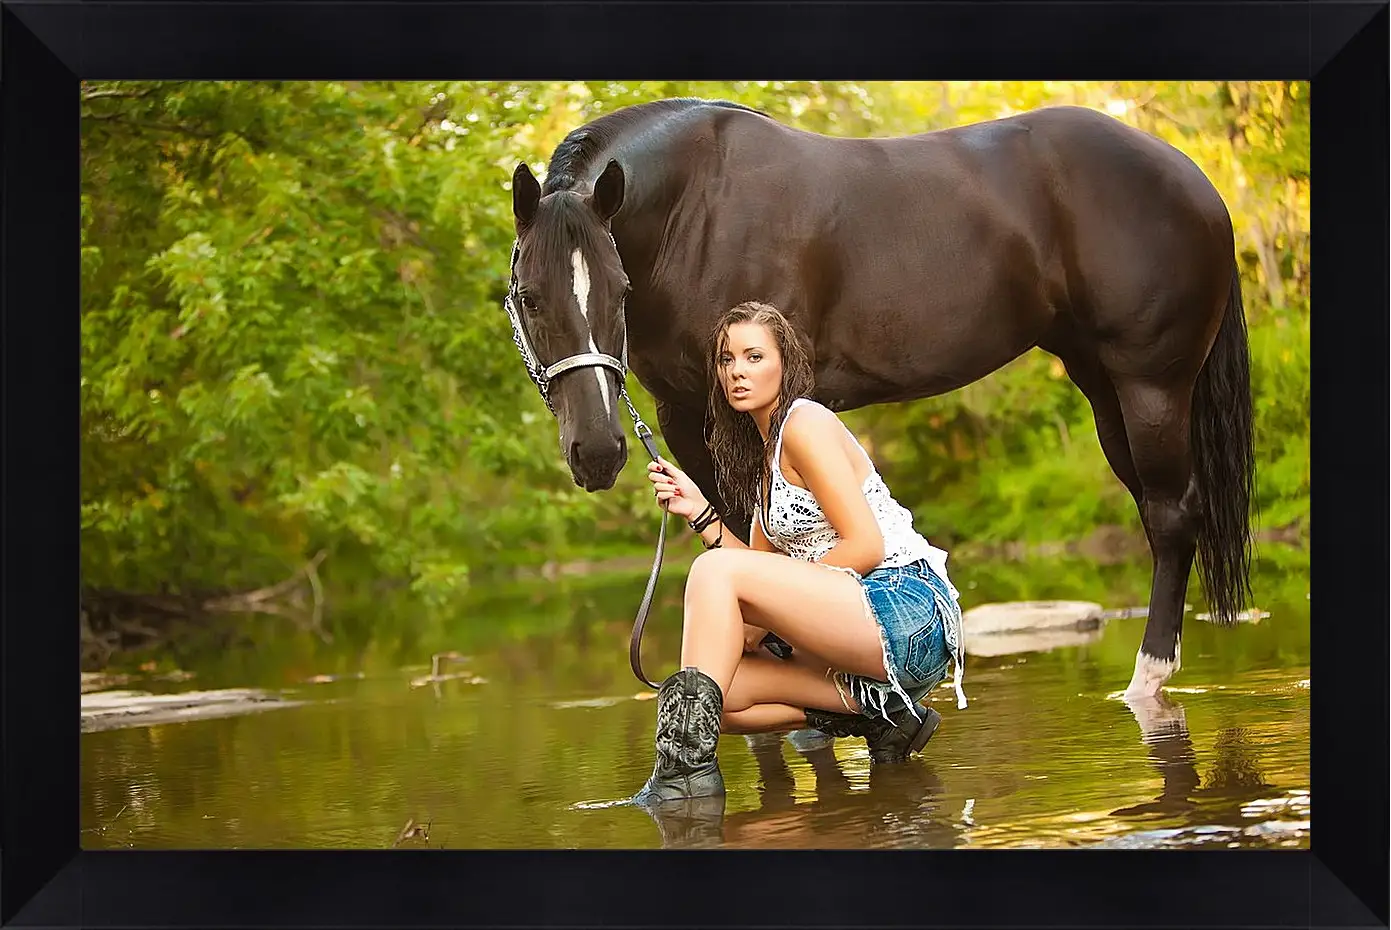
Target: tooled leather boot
892 740
689 704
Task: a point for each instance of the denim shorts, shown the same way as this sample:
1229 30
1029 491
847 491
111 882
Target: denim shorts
912 606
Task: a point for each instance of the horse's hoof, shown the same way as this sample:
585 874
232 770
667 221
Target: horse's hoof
1150 676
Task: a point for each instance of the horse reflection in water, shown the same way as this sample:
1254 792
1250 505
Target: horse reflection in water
1234 779
905 802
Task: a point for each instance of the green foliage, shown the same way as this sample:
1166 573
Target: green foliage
292 337
1280 375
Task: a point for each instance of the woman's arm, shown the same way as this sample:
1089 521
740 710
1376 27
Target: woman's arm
685 500
814 439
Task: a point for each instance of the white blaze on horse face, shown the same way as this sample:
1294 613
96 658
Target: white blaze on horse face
582 287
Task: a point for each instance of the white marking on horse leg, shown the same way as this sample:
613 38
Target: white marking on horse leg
582 288
1150 674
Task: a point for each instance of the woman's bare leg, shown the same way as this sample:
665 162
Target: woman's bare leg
800 682
813 607
763 718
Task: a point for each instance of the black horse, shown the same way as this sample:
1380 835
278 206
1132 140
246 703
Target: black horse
912 266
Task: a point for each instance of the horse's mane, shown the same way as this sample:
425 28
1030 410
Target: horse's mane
577 151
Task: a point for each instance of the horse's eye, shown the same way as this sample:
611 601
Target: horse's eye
528 304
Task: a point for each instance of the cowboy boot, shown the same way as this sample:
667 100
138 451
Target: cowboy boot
891 740
689 704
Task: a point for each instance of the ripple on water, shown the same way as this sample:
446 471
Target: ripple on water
1047 755
1274 833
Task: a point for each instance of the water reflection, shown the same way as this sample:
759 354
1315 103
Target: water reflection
530 708
1234 780
906 804
1164 732
899 804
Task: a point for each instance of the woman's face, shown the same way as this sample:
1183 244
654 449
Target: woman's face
751 367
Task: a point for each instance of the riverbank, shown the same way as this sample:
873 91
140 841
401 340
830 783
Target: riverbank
113 638
1106 545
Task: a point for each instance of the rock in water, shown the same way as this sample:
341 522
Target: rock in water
1030 626
1018 616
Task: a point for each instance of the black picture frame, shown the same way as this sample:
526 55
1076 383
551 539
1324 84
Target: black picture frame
46 48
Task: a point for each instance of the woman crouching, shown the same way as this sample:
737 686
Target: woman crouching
864 599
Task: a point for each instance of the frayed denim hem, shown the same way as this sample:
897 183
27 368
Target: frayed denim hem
866 690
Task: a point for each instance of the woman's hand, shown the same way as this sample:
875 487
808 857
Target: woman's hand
675 487
753 637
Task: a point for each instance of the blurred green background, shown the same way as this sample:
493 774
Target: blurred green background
293 343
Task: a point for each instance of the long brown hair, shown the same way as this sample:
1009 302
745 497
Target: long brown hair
741 456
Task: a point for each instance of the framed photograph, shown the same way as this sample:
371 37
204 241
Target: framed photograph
550 444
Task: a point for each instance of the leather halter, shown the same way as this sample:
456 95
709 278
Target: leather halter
542 376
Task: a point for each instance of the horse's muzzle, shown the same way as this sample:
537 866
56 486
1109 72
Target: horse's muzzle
595 461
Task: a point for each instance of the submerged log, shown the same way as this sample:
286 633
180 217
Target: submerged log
112 710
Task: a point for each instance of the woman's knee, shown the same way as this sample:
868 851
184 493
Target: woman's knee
716 562
713 570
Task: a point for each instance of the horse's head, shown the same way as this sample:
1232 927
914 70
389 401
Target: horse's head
568 288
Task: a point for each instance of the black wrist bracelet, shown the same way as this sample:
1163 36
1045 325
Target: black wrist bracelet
706 517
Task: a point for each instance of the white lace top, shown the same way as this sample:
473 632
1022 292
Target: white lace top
796 524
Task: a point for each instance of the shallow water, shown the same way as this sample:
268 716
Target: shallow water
545 719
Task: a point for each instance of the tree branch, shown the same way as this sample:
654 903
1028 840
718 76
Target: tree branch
158 127
123 94
129 95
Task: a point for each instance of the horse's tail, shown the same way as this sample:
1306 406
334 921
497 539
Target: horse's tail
1224 462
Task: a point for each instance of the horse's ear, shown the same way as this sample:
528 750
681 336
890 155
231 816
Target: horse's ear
608 191
526 194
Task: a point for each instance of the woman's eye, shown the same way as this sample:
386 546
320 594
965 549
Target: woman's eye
755 357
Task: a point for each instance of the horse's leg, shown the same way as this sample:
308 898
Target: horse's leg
683 428
1156 415
1173 554
1086 371
1143 428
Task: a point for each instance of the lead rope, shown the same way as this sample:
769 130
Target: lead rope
635 644
541 376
